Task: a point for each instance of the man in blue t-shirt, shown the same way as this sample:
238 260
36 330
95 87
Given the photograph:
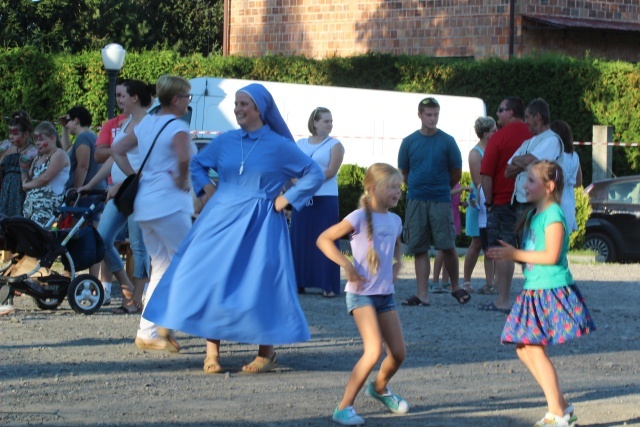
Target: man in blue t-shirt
431 164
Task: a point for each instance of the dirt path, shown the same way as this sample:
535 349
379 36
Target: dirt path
62 369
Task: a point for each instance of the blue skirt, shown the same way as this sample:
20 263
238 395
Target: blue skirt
547 316
313 268
471 227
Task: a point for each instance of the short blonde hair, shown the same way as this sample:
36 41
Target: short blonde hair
169 86
484 125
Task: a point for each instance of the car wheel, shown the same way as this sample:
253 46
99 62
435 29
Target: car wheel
602 245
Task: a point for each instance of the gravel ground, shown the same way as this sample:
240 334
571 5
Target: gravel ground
62 369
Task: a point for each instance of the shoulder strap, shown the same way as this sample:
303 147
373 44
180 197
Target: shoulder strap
152 144
327 139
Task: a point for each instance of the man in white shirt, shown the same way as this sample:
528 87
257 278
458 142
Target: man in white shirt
545 145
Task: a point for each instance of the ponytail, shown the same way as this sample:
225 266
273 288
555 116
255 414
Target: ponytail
372 256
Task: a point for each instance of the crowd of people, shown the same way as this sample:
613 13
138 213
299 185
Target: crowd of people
520 209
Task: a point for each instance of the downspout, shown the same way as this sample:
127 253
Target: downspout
512 26
226 30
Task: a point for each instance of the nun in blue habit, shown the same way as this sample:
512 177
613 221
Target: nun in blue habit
233 277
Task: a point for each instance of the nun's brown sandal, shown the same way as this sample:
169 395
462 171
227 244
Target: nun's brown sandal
261 365
212 366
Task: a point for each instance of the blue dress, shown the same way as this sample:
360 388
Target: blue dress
232 277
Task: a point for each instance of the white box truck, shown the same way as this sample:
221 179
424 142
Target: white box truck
370 123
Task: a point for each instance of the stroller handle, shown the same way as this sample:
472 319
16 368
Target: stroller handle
72 194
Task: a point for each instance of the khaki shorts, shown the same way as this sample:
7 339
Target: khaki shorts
426 220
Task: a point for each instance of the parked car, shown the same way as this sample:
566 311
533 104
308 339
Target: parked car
613 229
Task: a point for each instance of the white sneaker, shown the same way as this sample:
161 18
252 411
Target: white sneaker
573 418
107 297
551 420
5 309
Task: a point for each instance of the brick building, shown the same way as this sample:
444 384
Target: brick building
441 28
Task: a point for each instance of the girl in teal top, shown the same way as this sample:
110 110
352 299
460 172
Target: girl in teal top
550 308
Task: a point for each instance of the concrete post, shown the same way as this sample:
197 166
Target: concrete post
602 153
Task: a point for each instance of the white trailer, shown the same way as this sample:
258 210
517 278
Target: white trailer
370 123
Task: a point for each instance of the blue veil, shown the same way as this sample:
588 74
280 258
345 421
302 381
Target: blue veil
268 110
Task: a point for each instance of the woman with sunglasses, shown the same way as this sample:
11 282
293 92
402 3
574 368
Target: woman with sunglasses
313 270
47 176
14 164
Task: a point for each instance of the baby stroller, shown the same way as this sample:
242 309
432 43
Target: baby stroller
37 252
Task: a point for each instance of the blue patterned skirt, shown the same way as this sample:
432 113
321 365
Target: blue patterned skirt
547 316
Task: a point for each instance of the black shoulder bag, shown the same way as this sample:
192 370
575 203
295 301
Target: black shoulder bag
126 195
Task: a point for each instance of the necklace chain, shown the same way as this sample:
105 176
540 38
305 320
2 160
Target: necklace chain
48 157
243 158
23 149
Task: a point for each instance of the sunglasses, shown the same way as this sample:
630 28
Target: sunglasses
500 110
186 96
14 131
428 101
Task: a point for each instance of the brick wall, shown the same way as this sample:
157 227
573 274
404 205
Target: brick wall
449 28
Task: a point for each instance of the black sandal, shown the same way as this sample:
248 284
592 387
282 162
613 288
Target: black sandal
130 309
414 301
461 296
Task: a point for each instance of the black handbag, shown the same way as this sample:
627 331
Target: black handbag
126 195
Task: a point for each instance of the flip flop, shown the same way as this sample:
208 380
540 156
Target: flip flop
487 290
461 296
436 288
124 310
414 301
492 307
467 287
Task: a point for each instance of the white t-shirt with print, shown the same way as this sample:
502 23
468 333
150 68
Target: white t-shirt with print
387 227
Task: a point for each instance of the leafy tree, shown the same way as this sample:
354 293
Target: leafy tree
74 26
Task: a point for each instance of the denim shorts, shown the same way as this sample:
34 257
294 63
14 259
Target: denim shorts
381 303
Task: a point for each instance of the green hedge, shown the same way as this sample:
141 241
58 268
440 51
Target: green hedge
583 92
350 188
583 210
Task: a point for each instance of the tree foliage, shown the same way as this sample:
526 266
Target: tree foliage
192 26
583 92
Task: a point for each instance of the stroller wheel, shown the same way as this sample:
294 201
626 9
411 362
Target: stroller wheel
85 294
48 303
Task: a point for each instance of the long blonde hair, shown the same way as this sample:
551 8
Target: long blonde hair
377 174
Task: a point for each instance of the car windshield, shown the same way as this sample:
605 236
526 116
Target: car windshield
625 192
